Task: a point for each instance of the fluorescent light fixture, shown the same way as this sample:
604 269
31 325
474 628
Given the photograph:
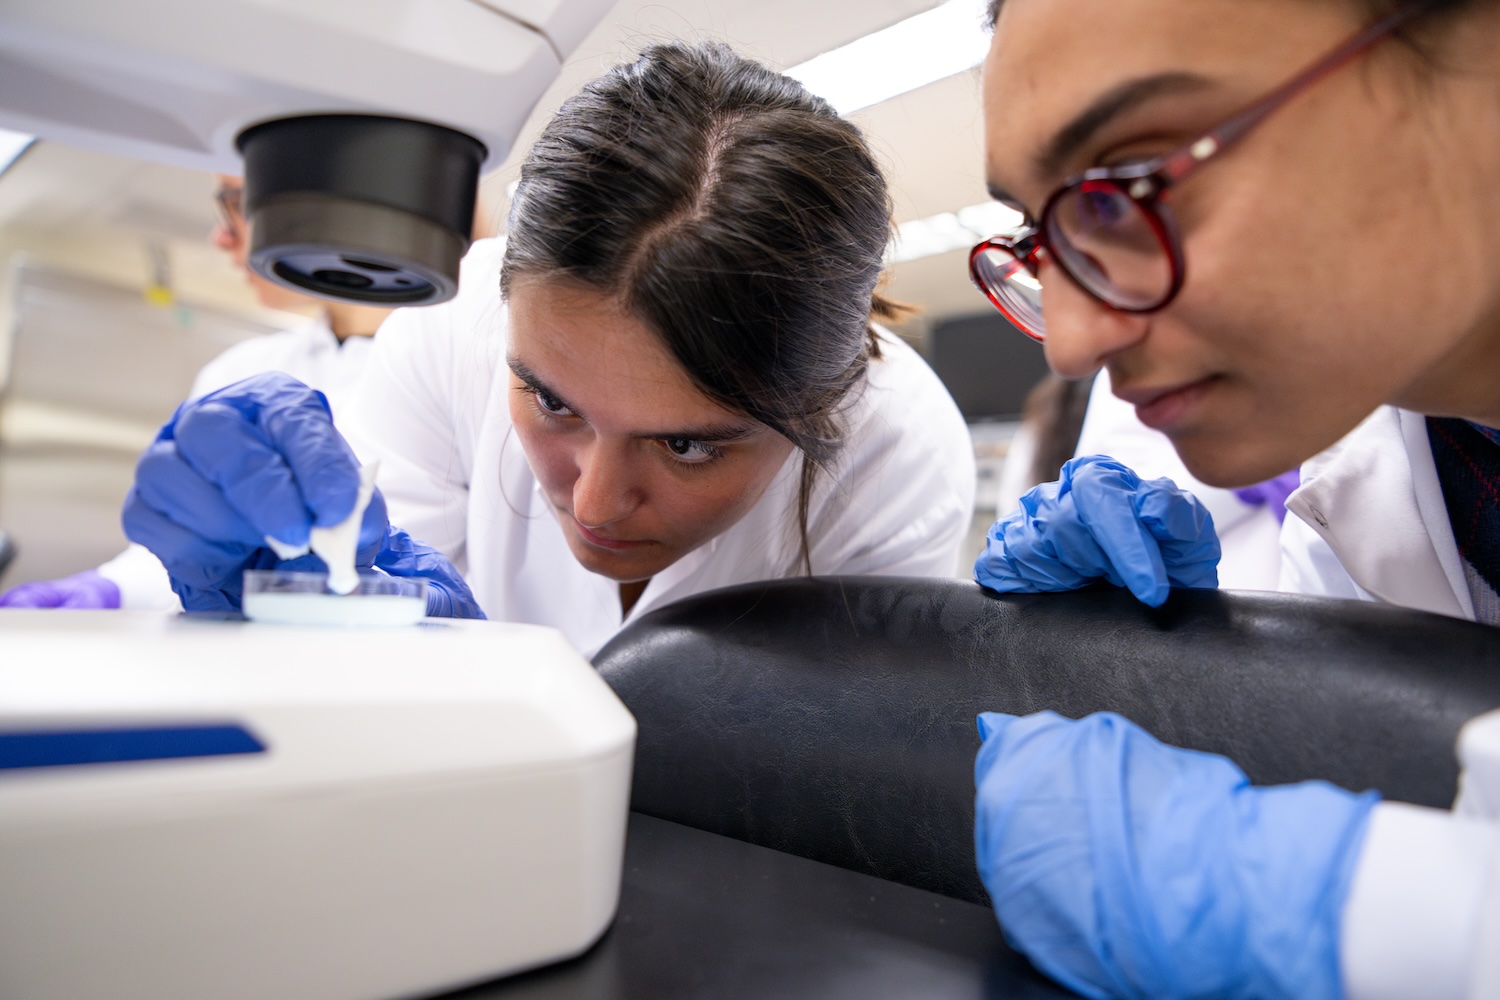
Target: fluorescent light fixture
912 53
950 231
12 145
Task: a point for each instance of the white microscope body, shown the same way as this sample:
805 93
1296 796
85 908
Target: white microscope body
409 100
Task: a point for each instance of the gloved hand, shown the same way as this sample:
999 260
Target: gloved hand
1126 868
89 589
262 458
1102 521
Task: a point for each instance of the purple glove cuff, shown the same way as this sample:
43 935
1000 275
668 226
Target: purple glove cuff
1272 493
89 589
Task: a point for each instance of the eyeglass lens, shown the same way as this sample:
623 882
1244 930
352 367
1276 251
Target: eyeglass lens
1106 240
1011 287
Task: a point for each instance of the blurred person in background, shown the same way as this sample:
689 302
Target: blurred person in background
328 352
1051 419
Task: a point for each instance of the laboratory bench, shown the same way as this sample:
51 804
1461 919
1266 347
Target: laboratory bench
707 916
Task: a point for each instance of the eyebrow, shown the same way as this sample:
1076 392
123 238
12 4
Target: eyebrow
719 433
1073 136
1110 105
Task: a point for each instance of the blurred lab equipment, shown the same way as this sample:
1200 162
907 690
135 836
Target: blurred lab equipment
363 134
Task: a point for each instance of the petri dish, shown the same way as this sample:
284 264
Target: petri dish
281 597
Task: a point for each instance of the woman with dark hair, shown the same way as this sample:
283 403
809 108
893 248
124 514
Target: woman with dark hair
666 381
1265 219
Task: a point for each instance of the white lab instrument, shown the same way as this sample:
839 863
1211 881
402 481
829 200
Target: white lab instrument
196 808
364 126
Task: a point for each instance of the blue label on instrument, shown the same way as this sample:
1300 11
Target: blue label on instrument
66 747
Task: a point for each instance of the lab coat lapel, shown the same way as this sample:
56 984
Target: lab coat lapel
1375 500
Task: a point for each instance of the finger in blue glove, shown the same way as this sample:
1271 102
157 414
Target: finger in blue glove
1126 868
258 458
390 550
1184 533
269 445
262 459
1100 521
448 596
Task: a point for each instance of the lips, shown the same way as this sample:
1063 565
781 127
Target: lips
1160 408
604 541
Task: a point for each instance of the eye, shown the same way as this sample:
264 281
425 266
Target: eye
690 452
1103 208
547 403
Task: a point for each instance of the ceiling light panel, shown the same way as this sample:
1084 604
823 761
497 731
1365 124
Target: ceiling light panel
912 53
950 231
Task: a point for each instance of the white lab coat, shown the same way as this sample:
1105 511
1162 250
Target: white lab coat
433 409
1423 914
1371 522
308 352
1248 533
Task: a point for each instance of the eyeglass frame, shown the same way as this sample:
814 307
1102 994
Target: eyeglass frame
231 202
1147 183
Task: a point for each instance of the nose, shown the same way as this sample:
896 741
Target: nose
606 490
1082 332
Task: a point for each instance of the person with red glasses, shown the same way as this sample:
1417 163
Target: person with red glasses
1274 224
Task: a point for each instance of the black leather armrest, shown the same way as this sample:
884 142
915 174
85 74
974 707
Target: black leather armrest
833 718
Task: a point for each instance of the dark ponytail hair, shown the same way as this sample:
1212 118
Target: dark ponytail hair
734 214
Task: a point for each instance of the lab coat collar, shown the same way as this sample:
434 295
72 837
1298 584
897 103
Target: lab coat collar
315 334
1376 501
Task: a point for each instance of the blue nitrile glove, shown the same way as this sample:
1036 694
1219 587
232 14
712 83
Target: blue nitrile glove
262 458
1127 868
89 589
1100 521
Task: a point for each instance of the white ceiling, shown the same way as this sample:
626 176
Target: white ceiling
98 214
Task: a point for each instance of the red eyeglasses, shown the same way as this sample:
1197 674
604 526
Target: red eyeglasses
1109 229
